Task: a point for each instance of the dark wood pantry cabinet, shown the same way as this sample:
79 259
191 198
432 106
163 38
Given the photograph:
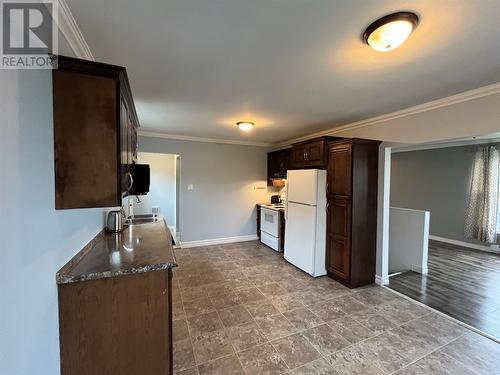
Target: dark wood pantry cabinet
352 179
95 133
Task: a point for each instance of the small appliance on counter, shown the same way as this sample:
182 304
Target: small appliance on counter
114 222
275 199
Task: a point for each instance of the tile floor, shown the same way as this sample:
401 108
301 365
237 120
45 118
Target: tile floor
241 309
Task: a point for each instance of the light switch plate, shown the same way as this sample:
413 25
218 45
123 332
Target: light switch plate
190 187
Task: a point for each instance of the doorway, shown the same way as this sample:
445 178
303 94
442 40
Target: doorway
164 190
426 193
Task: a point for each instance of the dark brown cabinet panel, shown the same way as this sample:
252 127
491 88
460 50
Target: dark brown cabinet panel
298 156
339 217
95 134
338 257
339 178
311 153
117 325
278 162
352 176
83 178
315 152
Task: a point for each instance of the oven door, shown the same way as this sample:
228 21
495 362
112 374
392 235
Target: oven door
270 221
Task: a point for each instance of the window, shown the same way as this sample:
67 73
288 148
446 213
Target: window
498 211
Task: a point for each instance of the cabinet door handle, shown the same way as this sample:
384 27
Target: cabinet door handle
307 155
131 181
327 208
326 188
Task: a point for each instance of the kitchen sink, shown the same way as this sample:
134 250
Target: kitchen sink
142 219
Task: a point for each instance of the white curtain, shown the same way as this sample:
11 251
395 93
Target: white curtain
481 219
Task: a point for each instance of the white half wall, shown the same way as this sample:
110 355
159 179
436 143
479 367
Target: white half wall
408 240
162 185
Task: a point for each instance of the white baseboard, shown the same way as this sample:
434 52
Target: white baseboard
421 270
489 249
379 280
218 241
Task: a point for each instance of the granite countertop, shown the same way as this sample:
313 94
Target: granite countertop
139 248
270 206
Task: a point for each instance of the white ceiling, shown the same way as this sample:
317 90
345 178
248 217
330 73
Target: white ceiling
292 66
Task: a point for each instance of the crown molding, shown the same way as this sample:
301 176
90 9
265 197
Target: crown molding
145 133
425 107
69 28
474 141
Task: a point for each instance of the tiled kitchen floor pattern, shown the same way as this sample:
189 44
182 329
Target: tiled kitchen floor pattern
241 309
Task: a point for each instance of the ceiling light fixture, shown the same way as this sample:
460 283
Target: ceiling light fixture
245 125
389 32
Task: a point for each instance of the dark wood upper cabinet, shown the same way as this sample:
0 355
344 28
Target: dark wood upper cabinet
278 162
311 153
298 156
95 134
352 178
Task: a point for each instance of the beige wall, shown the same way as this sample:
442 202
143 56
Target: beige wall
226 183
162 186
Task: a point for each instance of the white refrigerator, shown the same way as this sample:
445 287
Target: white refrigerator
305 227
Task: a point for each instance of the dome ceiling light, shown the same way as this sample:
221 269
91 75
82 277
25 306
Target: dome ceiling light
389 32
245 125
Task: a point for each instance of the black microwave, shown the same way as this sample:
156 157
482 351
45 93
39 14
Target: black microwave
141 178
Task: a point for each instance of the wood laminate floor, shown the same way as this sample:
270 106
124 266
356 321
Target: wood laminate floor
462 283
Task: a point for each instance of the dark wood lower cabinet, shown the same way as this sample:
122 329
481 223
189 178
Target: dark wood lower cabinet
117 325
352 181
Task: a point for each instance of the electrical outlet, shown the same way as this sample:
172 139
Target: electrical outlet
190 187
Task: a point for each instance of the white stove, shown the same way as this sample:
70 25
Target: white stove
270 225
